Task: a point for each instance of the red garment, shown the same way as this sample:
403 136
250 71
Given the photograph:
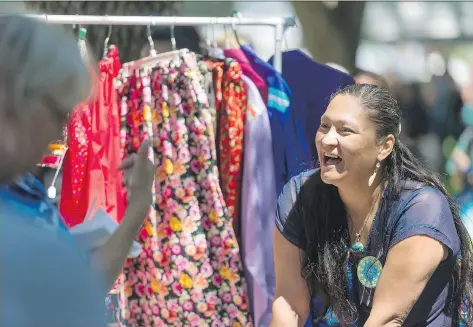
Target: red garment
91 175
231 103
248 71
75 182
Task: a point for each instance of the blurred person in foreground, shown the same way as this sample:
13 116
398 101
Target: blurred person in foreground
42 78
44 281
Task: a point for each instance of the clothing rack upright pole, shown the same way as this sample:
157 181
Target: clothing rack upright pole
279 23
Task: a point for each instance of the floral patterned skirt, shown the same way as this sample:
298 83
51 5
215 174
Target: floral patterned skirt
190 271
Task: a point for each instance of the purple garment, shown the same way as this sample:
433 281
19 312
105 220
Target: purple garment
312 85
420 210
257 207
291 154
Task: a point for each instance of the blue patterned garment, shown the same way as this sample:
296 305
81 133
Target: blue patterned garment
310 94
290 151
27 199
317 310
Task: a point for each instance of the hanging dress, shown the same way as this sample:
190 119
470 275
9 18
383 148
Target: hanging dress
231 103
190 272
75 183
90 173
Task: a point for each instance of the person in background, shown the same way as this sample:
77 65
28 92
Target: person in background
419 136
42 77
371 236
366 77
460 164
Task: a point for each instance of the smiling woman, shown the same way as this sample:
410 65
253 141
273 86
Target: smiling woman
347 142
370 214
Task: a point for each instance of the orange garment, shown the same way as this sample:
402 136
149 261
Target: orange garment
231 104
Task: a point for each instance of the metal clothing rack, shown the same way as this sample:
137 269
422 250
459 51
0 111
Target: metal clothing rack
280 24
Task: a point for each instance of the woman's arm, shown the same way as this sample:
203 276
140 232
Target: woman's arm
110 257
409 266
289 283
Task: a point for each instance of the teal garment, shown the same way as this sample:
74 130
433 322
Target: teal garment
467 115
464 144
464 199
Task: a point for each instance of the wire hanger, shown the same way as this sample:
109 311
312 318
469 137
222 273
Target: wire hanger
208 43
215 51
78 26
214 38
105 43
173 38
227 39
174 45
152 49
235 33
154 57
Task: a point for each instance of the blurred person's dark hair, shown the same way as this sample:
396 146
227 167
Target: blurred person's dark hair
367 77
45 280
414 110
446 107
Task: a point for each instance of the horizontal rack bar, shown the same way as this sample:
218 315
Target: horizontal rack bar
164 20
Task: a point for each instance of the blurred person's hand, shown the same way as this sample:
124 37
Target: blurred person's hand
139 175
461 160
140 172
467 91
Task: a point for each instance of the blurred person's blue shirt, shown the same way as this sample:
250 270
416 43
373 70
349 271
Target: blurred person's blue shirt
44 281
26 198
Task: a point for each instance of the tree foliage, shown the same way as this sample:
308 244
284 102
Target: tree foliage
331 33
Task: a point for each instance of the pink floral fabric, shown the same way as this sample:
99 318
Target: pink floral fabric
190 272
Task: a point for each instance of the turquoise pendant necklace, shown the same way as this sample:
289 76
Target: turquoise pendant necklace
369 268
357 247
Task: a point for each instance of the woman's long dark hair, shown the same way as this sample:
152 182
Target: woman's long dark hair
324 217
